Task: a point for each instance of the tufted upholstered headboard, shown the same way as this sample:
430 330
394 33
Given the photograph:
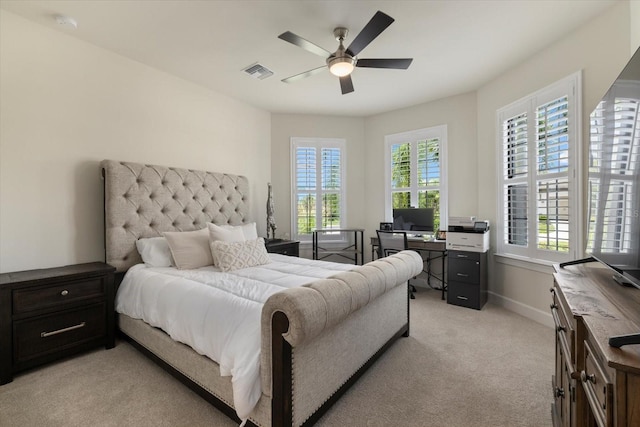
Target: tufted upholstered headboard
146 200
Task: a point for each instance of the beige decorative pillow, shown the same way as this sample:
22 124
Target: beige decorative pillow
230 256
190 249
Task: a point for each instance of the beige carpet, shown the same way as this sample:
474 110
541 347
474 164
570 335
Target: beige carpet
459 367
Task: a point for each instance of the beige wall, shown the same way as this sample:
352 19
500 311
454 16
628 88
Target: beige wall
634 16
365 156
459 114
286 126
600 49
66 105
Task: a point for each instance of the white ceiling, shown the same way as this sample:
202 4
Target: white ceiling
457 45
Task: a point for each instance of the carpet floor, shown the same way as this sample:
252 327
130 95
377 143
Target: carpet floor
459 368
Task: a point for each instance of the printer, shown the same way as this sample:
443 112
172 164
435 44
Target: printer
468 234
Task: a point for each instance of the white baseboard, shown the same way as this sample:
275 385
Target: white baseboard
529 312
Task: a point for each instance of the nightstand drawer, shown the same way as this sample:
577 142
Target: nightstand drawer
45 334
291 249
283 247
25 300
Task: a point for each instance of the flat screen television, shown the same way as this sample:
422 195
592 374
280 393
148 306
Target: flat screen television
614 177
614 183
413 219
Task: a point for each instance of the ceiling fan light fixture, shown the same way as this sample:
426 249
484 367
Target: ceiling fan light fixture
341 66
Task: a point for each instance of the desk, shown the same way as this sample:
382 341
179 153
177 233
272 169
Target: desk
420 245
354 251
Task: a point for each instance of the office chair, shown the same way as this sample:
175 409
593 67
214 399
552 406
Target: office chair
391 242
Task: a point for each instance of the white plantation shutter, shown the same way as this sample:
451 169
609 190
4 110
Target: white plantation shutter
539 192
552 183
515 176
318 167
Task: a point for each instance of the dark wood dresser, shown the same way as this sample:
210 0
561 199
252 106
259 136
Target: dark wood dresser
52 313
282 246
594 384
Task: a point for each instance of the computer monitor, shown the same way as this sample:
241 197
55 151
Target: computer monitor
413 219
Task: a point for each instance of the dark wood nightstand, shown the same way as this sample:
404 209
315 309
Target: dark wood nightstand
52 313
282 246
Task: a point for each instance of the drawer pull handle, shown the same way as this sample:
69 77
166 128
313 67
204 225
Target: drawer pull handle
462 256
559 392
59 331
553 306
585 377
462 298
552 290
462 275
561 328
64 293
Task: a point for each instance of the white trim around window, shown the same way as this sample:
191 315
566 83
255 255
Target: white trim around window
419 165
318 173
539 192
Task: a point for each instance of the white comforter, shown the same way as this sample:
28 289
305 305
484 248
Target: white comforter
218 314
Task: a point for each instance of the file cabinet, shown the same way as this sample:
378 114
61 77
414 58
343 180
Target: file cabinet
467 279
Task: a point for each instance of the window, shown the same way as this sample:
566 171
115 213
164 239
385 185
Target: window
538 195
415 163
318 171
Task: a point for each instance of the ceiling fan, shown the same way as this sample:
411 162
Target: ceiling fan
342 62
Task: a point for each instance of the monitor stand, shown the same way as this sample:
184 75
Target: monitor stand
620 340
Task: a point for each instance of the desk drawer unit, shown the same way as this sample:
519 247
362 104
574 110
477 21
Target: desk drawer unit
52 313
467 279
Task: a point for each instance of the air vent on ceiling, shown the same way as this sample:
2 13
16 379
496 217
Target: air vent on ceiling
258 71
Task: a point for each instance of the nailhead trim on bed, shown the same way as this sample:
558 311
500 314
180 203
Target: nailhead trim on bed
147 200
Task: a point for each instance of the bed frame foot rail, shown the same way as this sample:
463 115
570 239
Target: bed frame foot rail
281 362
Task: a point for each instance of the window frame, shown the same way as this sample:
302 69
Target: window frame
318 144
571 87
412 137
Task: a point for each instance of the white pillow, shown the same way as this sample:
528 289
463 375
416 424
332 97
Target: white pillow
190 249
230 256
226 233
249 230
155 251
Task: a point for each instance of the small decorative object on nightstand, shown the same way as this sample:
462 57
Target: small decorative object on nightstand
282 246
52 313
271 221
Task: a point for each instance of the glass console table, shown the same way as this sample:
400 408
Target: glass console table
343 242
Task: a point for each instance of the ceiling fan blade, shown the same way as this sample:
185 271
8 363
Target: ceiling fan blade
288 36
378 24
396 63
304 75
346 84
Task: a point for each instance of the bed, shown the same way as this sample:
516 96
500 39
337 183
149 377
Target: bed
314 340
